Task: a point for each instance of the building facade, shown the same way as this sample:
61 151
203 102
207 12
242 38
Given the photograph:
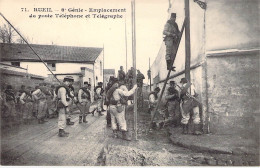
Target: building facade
83 63
224 63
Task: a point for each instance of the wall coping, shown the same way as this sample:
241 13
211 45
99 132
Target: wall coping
232 52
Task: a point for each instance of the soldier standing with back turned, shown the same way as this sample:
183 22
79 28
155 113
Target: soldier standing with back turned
64 101
172 36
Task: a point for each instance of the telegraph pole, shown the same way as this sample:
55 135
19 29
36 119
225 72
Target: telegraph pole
150 76
134 65
125 45
187 40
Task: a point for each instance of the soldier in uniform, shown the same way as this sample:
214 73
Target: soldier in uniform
172 36
173 104
109 85
121 74
139 78
153 99
98 93
189 106
26 105
40 98
68 114
64 101
84 99
35 104
117 108
52 102
9 102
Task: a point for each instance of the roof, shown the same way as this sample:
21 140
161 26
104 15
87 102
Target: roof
109 71
49 53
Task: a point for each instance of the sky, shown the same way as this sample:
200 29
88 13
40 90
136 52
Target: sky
151 15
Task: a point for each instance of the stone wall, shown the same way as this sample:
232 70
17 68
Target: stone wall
233 92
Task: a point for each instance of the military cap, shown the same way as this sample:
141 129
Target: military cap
172 82
173 15
184 80
85 83
68 78
157 89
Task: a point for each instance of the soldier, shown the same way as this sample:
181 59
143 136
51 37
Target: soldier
173 104
26 104
153 96
68 114
35 104
189 106
98 93
117 108
9 102
84 98
109 85
121 74
139 79
64 101
52 102
40 98
172 36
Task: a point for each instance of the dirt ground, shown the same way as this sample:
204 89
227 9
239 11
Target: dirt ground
92 144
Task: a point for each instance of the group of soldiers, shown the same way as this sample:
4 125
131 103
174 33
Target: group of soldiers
181 105
27 104
48 101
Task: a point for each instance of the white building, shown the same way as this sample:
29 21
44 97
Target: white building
83 63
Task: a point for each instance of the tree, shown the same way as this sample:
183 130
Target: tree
7 34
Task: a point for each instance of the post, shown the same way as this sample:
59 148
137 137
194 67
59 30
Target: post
187 40
103 66
134 65
150 75
125 45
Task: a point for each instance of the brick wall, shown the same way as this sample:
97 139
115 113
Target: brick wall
17 80
233 93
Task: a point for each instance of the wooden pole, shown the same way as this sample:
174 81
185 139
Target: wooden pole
103 66
150 75
134 65
187 40
125 45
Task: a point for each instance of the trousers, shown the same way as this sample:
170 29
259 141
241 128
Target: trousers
190 107
117 117
62 118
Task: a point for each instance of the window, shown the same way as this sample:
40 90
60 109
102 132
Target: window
15 63
52 66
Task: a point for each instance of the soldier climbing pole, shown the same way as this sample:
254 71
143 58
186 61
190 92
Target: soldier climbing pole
167 78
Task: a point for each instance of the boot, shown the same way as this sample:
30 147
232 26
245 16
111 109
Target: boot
25 121
126 136
69 122
169 65
80 119
185 128
99 113
62 133
84 119
40 121
197 130
115 135
43 120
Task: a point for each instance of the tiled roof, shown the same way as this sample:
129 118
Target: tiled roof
22 52
109 71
